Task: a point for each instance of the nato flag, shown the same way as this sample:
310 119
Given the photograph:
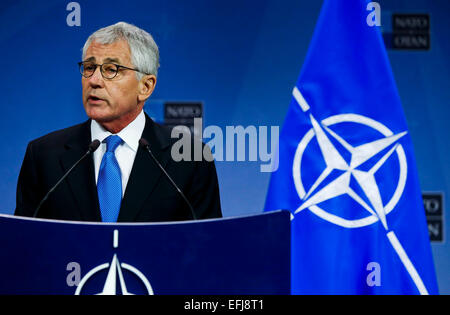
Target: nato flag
346 168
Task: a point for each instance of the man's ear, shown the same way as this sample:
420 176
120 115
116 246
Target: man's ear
146 87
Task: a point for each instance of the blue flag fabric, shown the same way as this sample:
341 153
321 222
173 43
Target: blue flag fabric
346 168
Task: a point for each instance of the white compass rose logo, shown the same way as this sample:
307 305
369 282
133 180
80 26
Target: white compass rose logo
115 269
341 185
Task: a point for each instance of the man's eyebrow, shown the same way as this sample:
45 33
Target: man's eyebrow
106 60
111 60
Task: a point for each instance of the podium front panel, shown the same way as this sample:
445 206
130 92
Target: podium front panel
244 255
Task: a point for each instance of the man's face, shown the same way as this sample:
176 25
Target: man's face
111 102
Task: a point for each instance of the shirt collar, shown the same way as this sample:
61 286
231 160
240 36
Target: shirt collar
130 134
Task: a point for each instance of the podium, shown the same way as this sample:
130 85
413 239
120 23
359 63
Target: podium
247 255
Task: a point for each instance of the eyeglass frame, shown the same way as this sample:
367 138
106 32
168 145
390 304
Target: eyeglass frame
81 63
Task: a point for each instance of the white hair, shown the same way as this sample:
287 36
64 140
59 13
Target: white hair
144 51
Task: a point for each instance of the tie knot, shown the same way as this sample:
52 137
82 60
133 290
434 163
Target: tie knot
112 142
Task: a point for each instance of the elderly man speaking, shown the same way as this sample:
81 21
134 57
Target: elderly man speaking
116 166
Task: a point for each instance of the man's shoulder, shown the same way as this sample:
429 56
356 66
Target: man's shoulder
168 135
162 132
61 136
158 135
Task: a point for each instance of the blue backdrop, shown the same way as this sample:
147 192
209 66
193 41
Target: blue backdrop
241 58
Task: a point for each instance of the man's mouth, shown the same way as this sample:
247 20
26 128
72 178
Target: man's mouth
92 99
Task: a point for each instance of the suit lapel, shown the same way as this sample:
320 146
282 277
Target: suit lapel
82 180
145 175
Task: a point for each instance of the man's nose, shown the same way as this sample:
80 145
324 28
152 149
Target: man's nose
96 80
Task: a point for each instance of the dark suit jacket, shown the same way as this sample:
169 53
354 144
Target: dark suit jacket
148 197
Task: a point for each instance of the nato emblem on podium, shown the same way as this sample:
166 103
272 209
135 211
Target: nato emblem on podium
114 284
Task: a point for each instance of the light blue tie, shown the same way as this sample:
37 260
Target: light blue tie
109 184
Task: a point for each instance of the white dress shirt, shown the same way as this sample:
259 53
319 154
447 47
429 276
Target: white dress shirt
126 152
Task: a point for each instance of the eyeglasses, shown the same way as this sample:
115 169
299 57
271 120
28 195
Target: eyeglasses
108 70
